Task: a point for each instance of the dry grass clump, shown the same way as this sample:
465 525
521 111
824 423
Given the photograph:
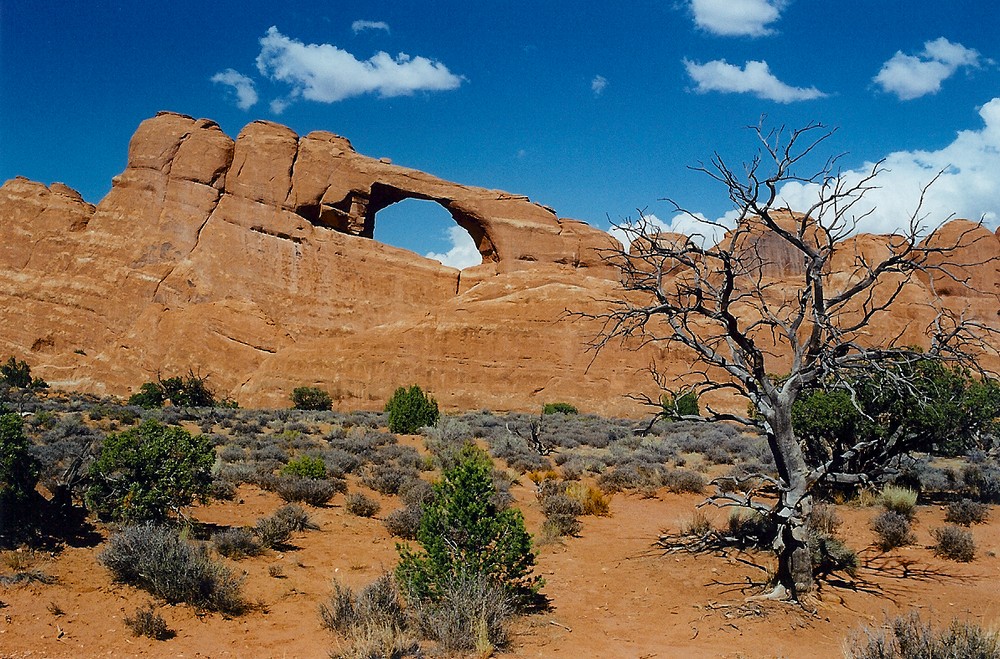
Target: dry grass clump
371 623
147 622
593 500
908 637
900 500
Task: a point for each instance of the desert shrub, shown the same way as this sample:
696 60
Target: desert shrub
830 554
750 528
983 482
305 467
148 471
340 462
471 613
147 622
559 408
561 510
954 543
362 505
908 637
900 500
190 391
308 490
463 530
966 512
18 473
677 406
445 440
683 480
295 517
404 522
272 532
311 398
222 490
387 478
156 559
237 543
893 530
410 410
628 477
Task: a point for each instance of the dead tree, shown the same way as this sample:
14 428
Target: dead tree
766 338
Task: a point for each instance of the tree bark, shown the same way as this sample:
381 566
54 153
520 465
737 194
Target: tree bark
791 542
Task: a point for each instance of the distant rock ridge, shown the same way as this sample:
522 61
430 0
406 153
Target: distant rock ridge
251 261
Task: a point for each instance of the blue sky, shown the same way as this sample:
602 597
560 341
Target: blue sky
593 108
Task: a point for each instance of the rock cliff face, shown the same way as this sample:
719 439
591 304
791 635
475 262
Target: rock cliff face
251 261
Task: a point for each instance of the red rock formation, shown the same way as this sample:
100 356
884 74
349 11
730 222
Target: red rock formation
251 261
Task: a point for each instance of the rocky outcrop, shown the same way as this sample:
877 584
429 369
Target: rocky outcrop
252 261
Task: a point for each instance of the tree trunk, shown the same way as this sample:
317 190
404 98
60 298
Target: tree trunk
792 512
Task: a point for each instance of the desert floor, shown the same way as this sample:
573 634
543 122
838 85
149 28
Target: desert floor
613 592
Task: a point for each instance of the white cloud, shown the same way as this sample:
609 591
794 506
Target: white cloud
969 187
754 78
734 18
913 76
325 73
598 84
463 252
278 105
695 225
360 26
243 87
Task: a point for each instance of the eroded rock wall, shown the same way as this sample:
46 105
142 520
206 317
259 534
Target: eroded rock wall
251 261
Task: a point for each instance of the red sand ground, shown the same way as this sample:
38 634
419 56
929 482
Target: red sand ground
613 594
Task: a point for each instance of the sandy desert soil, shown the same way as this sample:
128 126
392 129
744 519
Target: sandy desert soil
613 593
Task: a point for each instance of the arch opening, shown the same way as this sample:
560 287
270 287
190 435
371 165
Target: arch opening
427 228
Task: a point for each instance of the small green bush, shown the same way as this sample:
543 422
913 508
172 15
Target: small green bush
463 531
311 398
190 391
410 410
148 471
17 374
18 473
559 408
156 559
678 406
305 467
954 543
908 637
